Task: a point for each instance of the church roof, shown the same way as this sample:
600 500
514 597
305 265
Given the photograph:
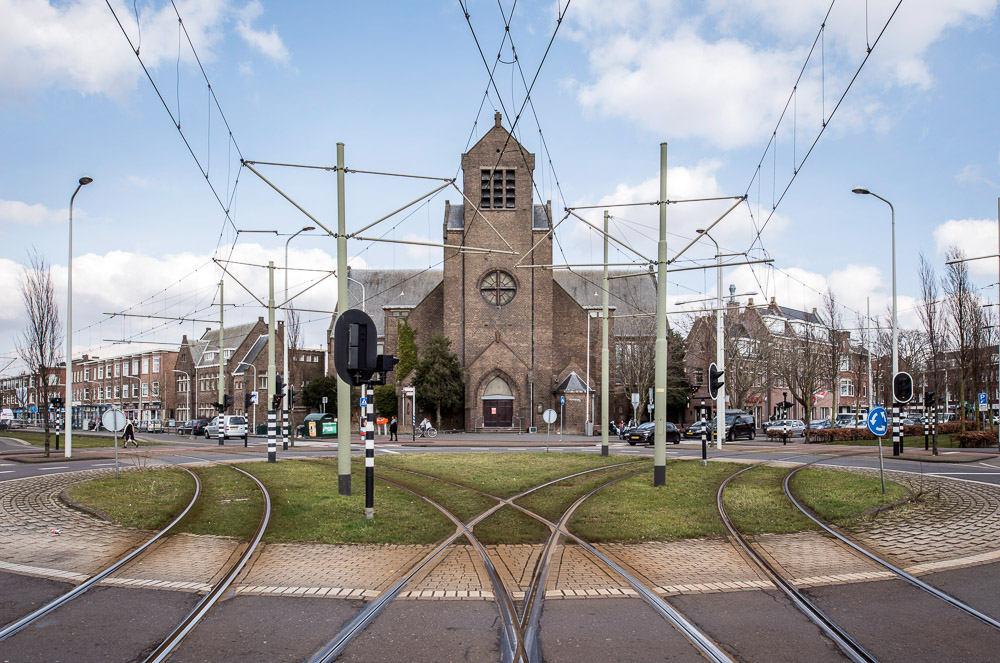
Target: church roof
573 384
627 296
394 288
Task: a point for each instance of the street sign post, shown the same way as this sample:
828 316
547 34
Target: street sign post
878 425
549 417
983 407
114 420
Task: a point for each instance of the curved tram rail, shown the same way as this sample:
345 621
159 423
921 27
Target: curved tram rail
25 621
173 640
847 644
519 635
916 582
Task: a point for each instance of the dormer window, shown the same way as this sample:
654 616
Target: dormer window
496 188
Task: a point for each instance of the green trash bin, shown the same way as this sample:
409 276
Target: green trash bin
320 425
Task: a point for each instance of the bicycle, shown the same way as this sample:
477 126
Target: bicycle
430 432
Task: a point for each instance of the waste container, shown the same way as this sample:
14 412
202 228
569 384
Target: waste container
320 425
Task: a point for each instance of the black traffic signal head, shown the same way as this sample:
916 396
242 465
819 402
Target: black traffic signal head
928 399
279 385
695 388
227 401
291 395
355 347
247 401
276 402
715 380
902 387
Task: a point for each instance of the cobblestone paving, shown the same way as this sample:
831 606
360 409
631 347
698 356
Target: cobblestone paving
957 524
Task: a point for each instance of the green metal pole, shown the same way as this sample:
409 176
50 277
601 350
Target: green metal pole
222 352
604 346
343 389
271 364
660 370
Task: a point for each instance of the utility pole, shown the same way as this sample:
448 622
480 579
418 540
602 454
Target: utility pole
343 389
660 370
604 346
272 451
720 356
222 351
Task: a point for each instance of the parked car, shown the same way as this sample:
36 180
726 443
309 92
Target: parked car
229 425
696 429
193 427
646 433
792 427
819 424
740 425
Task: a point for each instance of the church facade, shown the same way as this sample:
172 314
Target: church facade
520 332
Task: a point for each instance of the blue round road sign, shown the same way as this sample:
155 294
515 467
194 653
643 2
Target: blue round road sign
878 422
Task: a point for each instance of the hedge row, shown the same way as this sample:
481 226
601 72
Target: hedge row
976 439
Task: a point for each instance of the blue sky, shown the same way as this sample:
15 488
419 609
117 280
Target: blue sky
402 85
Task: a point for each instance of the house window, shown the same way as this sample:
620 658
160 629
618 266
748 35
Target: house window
135 389
135 366
498 288
118 370
145 389
100 372
699 376
156 388
125 369
496 188
156 364
116 391
262 382
844 363
846 387
145 366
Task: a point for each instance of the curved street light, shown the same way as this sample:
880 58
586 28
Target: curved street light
284 341
720 357
68 420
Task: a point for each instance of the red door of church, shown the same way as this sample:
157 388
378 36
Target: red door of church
498 413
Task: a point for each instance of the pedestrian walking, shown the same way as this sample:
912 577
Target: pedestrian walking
393 427
129 434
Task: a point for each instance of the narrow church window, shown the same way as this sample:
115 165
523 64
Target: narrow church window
497 188
498 288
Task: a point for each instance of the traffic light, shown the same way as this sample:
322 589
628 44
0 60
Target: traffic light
715 380
276 402
902 387
291 396
928 399
227 402
355 347
279 390
247 402
695 388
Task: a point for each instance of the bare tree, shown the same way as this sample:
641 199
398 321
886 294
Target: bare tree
635 344
802 364
859 361
932 320
749 359
962 311
834 321
293 337
39 343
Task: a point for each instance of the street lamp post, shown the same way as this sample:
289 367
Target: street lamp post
590 316
362 292
720 356
284 340
895 327
187 394
68 421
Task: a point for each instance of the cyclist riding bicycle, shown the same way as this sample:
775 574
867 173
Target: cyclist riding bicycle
424 425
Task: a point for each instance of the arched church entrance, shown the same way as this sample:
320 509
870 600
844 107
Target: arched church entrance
498 404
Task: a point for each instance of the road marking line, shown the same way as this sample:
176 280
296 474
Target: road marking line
389 451
103 464
60 467
941 474
6 471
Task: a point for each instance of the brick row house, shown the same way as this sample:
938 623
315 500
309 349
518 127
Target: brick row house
765 348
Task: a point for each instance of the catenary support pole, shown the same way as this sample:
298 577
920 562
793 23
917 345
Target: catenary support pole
222 356
271 368
605 352
370 454
343 389
720 356
660 368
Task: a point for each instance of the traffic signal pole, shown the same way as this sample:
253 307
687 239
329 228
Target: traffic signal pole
343 389
660 367
605 352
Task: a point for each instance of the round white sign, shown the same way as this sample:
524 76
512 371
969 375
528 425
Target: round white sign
113 420
549 416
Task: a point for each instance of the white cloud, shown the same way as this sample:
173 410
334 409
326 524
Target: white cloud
268 42
651 63
15 211
975 237
973 174
78 45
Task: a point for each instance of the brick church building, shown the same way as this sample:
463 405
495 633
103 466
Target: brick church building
520 333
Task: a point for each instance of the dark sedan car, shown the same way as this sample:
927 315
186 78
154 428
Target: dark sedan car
193 427
646 433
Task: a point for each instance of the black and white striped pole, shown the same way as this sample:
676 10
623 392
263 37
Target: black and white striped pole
704 437
369 453
284 430
222 429
895 429
927 428
272 438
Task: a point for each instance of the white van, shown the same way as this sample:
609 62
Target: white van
230 425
